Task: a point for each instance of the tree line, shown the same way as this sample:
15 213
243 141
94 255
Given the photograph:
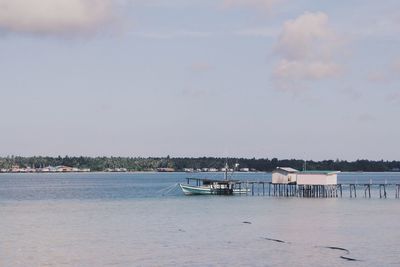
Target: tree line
180 163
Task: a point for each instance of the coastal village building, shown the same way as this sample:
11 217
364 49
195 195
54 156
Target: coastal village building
317 178
165 169
17 169
287 175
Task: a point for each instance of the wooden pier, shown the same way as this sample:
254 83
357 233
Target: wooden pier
353 190
268 188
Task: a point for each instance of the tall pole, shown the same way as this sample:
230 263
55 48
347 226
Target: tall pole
226 169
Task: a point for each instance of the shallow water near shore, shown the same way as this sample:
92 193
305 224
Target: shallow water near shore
123 220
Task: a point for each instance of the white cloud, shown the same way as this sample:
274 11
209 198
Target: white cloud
54 16
306 48
301 37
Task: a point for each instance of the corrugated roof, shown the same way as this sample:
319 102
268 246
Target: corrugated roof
319 172
287 169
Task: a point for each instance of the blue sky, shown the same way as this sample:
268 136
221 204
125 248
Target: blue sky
255 78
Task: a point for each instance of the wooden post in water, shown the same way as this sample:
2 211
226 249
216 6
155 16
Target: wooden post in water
351 193
367 187
369 191
397 190
384 190
353 187
269 189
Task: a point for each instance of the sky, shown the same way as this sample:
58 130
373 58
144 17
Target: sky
240 78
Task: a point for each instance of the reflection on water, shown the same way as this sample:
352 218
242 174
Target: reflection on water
119 220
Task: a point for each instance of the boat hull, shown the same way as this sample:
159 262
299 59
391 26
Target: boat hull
195 190
202 190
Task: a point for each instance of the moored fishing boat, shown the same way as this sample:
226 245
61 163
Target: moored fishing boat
214 187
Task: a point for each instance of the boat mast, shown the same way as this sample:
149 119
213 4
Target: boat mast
226 169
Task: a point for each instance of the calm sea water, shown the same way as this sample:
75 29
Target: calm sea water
114 219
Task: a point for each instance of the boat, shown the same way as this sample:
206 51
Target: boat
214 187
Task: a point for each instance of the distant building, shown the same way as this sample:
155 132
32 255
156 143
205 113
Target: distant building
244 169
109 170
64 169
165 169
284 175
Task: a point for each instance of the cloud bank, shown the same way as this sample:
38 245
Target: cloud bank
306 47
54 16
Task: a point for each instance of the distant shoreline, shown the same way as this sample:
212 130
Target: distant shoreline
43 164
175 172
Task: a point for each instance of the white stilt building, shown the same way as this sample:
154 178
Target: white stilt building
287 175
317 178
284 175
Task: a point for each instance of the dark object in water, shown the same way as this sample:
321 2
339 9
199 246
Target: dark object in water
181 230
339 248
349 259
275 240
345 250
246 222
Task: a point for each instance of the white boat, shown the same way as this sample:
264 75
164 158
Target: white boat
195 190
214 187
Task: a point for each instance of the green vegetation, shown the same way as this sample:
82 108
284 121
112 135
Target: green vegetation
179 164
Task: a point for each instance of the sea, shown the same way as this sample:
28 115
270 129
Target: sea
143 219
